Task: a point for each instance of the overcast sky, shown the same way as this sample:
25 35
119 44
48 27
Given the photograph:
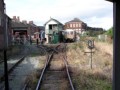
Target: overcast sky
96 13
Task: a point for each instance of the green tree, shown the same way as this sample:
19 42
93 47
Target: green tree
110 32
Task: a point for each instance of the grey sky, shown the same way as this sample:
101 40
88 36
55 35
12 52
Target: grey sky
96 13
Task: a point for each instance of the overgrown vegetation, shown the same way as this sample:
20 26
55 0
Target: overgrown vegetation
84 78
94 33
110 32
32 80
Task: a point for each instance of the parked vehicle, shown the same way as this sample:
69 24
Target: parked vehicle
69 35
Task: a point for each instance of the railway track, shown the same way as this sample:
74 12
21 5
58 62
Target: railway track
12 66
55 74
11 56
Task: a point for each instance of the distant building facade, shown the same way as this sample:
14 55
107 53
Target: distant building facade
24 29
76 24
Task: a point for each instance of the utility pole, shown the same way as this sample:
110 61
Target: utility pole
5 49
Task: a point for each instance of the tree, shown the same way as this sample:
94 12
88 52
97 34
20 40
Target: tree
110 32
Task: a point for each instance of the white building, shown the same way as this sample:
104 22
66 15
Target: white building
52 27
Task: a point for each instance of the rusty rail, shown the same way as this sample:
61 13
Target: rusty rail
45 66
67 67
12 68
41 76
67 70
47 62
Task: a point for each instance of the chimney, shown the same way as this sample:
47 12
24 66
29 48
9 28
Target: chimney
30 22
18 19
24 21
14 18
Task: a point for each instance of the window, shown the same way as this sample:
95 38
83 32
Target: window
76 25
50 27
70 25
73 25
71 33
65 33
79 25
67 25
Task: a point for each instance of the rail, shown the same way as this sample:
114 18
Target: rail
47 61
67 70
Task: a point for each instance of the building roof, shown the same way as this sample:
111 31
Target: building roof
32 25
8 16
53 20
19 24
41 28
75 20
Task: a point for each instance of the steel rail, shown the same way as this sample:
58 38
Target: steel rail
69 77
67 68
26 85
41 76
45 66
12 68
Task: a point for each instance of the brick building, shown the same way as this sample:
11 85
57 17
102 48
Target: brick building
24 29
76 24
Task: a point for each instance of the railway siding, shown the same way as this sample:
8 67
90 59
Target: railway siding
25 68
55 73
18 76
55 77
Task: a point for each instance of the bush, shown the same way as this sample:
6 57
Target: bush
110 32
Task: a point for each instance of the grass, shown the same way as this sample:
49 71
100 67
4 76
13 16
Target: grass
90 80
33 78
84 78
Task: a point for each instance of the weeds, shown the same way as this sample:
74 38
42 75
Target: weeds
100 77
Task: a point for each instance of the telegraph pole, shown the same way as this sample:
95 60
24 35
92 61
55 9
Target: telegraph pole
5 49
